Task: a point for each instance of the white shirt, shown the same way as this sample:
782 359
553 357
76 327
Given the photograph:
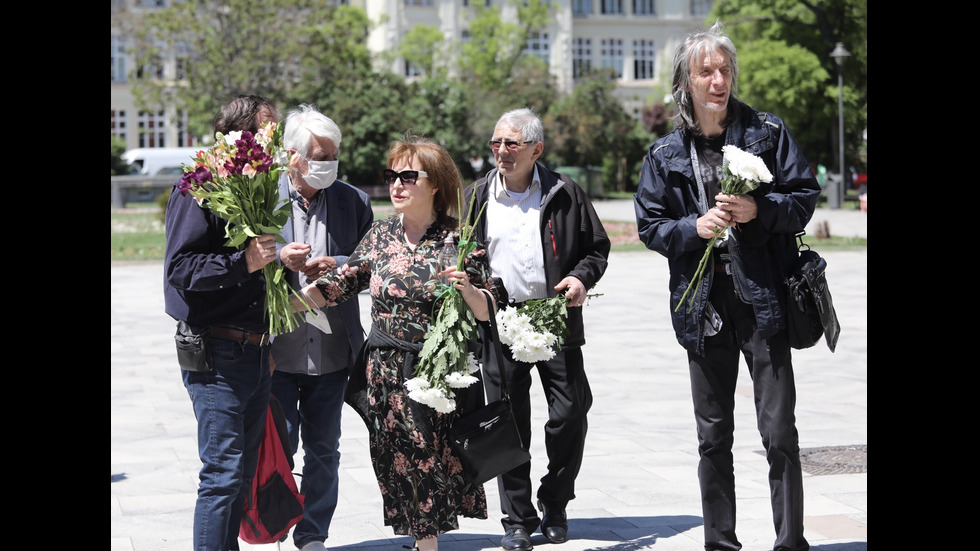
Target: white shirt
514 239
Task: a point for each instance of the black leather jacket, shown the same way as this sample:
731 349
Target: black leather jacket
763 250
573 239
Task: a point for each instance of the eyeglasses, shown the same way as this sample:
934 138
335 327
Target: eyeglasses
511 144
408 177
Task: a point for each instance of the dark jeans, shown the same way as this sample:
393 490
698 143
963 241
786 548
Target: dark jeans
230 405
569 397
312 406
713 379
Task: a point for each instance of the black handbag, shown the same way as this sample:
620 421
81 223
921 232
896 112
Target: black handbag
487 440
193 350
810 309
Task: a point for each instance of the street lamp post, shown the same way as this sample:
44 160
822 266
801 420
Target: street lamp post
839 54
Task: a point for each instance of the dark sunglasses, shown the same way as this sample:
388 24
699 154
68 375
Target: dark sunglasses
408 177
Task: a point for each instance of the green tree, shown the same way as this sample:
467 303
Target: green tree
421 47
490 55
371 113
785 67
494 70
590 128
117 166
292 51
334 57
229 47
370 107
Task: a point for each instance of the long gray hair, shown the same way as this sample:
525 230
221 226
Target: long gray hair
695 47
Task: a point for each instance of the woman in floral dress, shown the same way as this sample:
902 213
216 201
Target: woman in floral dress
420 478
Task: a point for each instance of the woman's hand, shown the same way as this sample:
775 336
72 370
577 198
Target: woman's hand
471 294
311 295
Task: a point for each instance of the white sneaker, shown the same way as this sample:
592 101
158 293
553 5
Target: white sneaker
314 546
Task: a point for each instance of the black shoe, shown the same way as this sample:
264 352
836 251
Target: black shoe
554 523
516 538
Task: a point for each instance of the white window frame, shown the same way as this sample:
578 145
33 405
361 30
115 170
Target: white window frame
612 55
612 7
645 7
411 70
117 59
185 138
644 59
152 129
538 44
581 57
117 124
701 8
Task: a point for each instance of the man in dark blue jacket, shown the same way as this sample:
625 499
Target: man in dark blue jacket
543 237
220 291
740 306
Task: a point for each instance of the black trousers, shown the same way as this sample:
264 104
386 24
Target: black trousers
569 398
713 380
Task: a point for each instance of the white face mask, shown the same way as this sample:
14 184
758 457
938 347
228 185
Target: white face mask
321 174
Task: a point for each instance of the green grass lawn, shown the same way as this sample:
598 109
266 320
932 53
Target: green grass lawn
136 233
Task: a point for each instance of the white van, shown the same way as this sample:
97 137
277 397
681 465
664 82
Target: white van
160 161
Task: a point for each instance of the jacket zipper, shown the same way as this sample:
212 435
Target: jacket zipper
551 231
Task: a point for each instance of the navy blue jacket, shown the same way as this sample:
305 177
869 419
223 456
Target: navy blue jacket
205 282
763 250
573 239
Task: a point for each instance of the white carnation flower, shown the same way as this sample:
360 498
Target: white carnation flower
434 398
458 380
472 364
416 384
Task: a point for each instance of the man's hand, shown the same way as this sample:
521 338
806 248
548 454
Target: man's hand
742 208
261 250
293 256
575 292
319 266
714 222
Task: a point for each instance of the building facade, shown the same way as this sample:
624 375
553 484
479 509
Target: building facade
636 38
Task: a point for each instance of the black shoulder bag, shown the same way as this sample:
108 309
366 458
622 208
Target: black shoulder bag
487 440
810 309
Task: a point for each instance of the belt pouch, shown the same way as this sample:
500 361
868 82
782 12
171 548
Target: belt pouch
193 350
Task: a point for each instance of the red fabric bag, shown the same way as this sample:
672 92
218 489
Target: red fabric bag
274 504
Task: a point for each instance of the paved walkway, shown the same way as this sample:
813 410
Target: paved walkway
638 486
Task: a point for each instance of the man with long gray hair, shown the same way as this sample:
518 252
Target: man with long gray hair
739 306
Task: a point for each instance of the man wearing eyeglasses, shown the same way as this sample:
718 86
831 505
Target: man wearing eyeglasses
543 237
311 362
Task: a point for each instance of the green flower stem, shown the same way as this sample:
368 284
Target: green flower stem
445 349
282 319
733 182
698 275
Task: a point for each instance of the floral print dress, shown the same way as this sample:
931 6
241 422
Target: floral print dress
419 475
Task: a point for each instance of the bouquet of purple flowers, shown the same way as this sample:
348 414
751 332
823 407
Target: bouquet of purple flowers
238 180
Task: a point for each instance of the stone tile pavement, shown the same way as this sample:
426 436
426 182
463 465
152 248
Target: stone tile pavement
638 486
